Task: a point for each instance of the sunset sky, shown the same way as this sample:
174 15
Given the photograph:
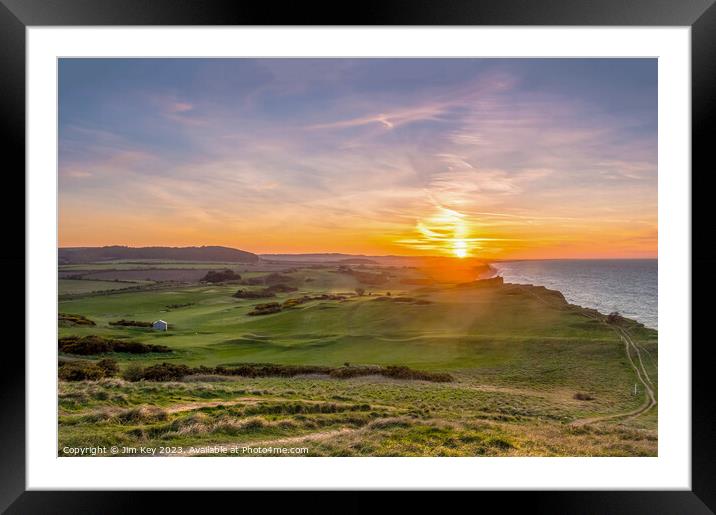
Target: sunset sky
486 158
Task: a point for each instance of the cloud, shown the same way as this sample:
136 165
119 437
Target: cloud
77 174
514 167
180 107
388 120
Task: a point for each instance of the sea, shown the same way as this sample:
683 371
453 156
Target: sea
629 286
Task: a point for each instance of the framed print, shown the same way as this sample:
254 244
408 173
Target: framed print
433 249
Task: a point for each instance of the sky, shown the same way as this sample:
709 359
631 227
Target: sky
483 158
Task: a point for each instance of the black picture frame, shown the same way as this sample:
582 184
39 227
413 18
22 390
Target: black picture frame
700 15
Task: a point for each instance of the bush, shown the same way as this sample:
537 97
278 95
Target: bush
583 396
614 318
138 348
409 373
133 373
270 370
109 366
393 372
131 323
92 344
85 345
67 319
290 303
84 370
176 372
165 372
177 306
215 276
265 309
256 294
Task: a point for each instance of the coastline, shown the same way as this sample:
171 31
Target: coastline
626 286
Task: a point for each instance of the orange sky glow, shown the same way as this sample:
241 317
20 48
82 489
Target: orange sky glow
485 161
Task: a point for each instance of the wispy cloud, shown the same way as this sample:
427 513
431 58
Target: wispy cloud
482 162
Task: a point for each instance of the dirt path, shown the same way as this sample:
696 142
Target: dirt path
280 442
641 374
640 370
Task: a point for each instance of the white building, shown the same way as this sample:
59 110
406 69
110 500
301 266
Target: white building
160 325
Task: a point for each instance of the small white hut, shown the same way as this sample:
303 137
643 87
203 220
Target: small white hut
160 325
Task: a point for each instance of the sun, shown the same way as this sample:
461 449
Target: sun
459 248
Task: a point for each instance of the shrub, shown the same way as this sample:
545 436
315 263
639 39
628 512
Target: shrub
165 372
265 309
177 306
80 371
583 396
92 344
270 370
131 323
84 345
109 366
176 372
67 319
614 317
133 372
290 303
216 276
348 372
255 294
138 348
393 372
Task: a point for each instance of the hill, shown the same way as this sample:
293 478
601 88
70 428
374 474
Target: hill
328 257
72 255
360 373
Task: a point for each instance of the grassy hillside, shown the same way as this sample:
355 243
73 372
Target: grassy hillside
519 356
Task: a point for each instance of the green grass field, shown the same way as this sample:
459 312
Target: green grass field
518 355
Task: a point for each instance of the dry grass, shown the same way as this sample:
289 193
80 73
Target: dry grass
354 417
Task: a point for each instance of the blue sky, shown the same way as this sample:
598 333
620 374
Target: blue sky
522 157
